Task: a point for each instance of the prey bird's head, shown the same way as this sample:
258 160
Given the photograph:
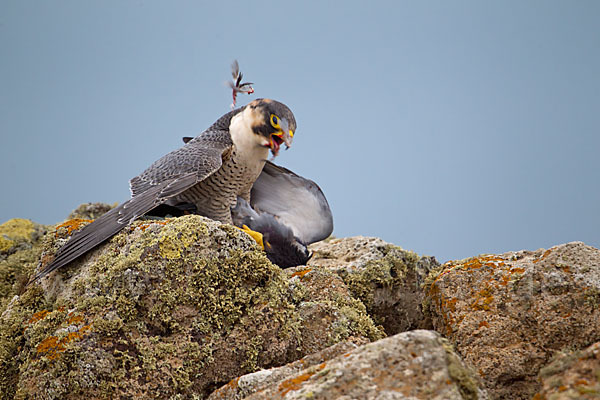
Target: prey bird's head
273 123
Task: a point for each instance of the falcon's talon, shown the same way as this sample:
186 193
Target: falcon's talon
257 236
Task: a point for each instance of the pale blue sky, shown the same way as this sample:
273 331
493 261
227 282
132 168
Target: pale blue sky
450 128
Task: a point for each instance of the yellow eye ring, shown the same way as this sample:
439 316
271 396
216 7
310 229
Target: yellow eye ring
275 121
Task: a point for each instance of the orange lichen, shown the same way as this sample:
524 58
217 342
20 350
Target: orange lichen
295 383
484 299
75 319
52 346
484 324
146 225
72 225
301 273
546 253
38 316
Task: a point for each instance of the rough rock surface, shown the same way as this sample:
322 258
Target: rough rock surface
176 308
19 252
411 365
260 380
386 278
166 308
509 314
570 376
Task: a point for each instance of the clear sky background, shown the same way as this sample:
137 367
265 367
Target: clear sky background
451 128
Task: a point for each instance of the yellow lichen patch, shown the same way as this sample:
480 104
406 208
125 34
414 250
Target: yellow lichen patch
5 244
301 273
72 225
295 383
173 241
13 229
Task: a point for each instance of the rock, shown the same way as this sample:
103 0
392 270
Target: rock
91 210
508 314
19 253
416 365
573 375
243 386
167 308
386 278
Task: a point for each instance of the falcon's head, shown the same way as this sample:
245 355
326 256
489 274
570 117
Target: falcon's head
272 122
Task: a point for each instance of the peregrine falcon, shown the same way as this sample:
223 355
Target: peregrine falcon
210 171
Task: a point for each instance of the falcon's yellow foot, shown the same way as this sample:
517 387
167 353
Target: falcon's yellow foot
257 236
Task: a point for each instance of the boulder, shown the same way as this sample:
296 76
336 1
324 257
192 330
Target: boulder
385 278
173 307
509 314
418 364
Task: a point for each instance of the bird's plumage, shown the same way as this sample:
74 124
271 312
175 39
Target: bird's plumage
290 212
295 200
210 171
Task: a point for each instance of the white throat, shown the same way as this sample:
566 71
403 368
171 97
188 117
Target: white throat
249 146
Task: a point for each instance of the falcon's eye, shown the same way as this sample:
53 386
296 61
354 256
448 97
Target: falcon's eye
274 121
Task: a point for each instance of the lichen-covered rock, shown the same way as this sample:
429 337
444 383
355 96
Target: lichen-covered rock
417 365
246 385
19 253
91 210
509 314
386 278
327 309
165 308
573 375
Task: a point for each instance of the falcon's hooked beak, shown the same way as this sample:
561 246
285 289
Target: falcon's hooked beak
283 135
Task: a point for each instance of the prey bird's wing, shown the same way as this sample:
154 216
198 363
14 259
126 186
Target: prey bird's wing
298 202
169 176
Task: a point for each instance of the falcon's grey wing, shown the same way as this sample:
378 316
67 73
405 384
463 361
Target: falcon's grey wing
167 177
296 201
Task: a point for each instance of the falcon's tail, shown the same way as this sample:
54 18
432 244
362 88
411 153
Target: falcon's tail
100 230
84 240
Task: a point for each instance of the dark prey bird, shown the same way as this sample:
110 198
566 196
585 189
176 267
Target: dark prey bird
210 171
290 212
